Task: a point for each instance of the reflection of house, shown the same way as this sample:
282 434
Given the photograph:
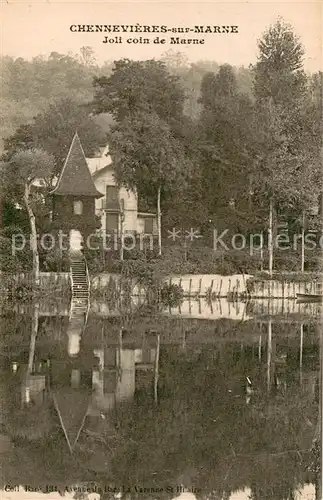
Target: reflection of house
122 372
33 389
71 389
96 380
117 201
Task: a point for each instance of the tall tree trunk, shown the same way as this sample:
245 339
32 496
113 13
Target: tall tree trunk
303 243
121 236
270 236
159 221
33 237
269 354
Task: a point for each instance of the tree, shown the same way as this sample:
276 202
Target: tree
286 167
27 87
137 86
53 130
148 143
278 73
87 55
23 169
146 154
225 139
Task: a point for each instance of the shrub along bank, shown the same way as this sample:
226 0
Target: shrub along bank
199 260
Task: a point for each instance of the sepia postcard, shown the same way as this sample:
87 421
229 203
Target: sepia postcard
161 235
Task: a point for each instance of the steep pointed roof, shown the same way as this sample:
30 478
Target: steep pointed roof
75 178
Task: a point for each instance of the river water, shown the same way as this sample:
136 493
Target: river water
160 404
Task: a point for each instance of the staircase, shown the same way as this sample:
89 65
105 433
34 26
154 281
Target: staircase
80 282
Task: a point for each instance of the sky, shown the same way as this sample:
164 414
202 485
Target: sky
40 27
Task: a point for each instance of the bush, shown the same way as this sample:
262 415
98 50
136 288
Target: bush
10 263
171 294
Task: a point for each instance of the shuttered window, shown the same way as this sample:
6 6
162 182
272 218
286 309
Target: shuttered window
112 221
148 225
112 201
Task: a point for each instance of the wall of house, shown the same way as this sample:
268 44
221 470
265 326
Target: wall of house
126 386
101 181
63 211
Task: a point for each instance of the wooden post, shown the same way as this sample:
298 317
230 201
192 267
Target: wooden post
121 238
221 282
200 287
259 347
190 288
159 221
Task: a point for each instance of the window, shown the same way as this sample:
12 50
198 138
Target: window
78 207
148 225
112 197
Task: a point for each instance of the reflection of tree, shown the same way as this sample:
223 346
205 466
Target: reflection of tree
33 336
199 434
47 462
33 422
199 427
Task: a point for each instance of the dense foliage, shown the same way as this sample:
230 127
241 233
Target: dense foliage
205 146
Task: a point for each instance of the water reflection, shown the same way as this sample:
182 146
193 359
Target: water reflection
283 309
227 412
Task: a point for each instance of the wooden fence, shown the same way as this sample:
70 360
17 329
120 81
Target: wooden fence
206 285
217 286
282 290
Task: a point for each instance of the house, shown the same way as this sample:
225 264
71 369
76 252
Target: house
118 208
74 195
86 187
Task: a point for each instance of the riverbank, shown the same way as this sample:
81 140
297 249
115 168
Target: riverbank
210 286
